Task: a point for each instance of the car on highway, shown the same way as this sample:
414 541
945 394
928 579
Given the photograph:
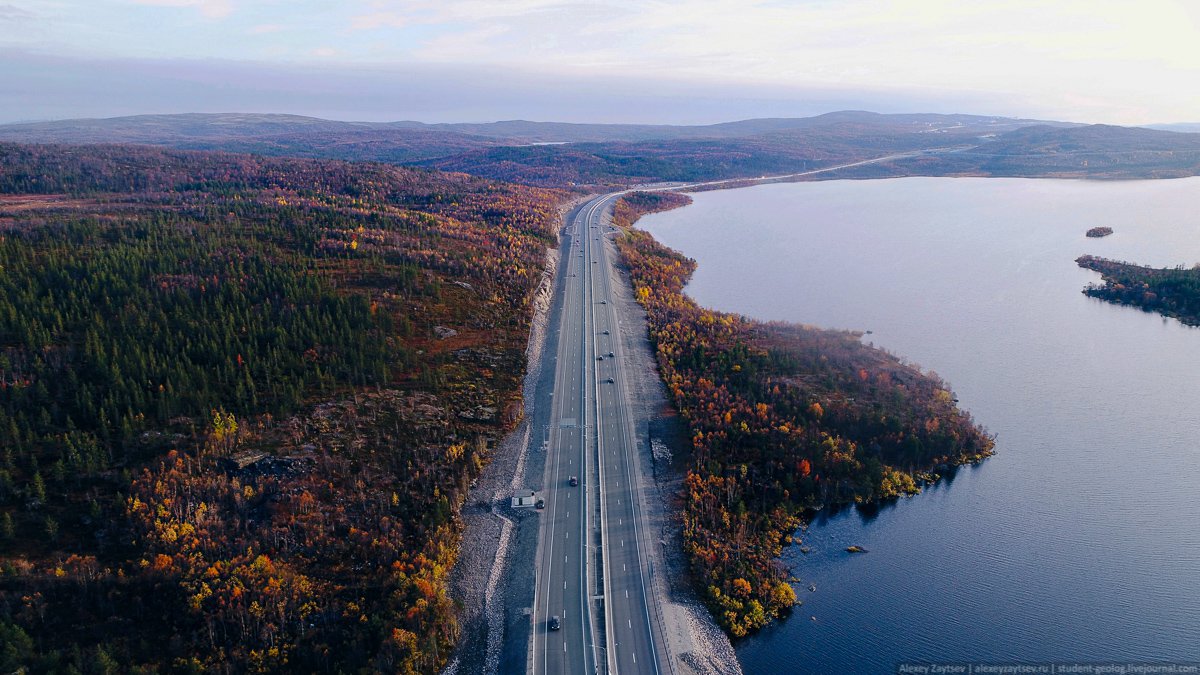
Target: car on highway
611 355
600 358
606 332
555 624
573 481
610 380
604 302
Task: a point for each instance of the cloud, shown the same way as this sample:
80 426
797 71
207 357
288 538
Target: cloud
14 13
1094 57
375 20
213 9
36 86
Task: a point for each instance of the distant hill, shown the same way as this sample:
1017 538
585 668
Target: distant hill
1093 151
558 132
562 154
190 128
262 134
1182 127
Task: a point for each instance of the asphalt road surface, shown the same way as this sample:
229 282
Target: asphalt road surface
593 570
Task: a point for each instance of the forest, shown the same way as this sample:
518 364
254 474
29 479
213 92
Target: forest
1173 292
782 418
241 401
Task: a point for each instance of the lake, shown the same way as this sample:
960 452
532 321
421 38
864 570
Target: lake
1080 539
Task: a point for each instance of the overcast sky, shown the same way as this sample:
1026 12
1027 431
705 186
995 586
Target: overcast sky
678 61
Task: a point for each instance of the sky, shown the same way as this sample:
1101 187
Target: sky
649 61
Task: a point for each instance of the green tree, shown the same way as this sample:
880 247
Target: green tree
38 488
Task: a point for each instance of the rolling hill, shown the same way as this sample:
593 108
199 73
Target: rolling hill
556 154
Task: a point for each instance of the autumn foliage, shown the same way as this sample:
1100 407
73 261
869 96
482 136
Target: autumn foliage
782 418
241 401
1169 291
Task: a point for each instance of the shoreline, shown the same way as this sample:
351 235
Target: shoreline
787 428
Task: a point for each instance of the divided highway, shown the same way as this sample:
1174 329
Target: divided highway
594 571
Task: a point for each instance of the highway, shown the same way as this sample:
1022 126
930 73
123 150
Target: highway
594 572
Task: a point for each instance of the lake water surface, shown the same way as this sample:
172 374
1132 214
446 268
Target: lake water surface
1080 539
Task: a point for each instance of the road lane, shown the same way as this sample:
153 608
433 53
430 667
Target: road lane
594 570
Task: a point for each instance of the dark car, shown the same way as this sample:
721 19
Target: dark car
611 355
541 504
610 380
573 481
555 624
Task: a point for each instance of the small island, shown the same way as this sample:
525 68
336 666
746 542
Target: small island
1097 232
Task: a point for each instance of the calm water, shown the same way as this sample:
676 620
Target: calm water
1080 539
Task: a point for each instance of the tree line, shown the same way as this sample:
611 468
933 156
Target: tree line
1173 292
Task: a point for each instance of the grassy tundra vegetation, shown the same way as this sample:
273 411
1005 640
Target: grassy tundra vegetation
1173 292
782 418
241 400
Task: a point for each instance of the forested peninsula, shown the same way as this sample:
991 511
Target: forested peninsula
782 419
1170 291
241 401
